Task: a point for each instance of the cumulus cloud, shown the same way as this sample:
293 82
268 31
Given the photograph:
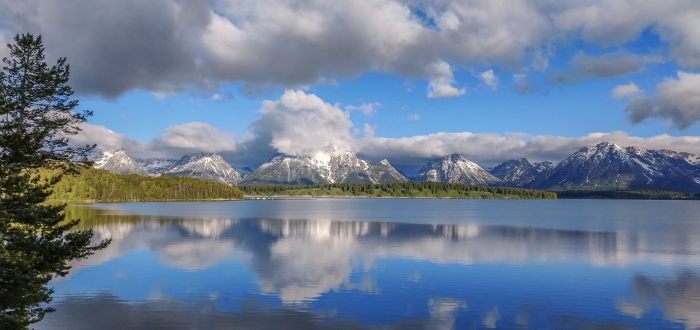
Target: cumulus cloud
194 136
414 117
368 130
168 46
489 79
441 81
677 102
117 46
521 84
491 149
604 66
624 91
174 142
302 124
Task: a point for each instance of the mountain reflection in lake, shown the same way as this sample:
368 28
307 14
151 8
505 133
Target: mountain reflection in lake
267 273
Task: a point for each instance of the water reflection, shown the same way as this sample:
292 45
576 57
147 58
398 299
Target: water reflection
678 297
302 262
299 247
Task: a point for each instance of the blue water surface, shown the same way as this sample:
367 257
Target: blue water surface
386 263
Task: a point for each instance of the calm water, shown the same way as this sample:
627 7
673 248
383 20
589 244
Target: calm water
386 264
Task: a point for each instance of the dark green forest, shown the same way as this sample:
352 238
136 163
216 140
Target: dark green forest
399 189
96 185
625 194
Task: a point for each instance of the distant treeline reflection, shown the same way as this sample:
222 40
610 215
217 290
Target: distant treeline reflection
102 186
400 189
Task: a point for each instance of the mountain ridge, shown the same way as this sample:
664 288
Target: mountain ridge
605 166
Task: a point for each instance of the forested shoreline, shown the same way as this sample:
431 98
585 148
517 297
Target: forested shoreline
627 194
398 190
95 185
453 190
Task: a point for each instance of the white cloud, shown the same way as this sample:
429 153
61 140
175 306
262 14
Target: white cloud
489 79
105 139
677 102
367 109
195 136
368 130
174 142
491 149
168 46
302 124
624 91
615 22
441 81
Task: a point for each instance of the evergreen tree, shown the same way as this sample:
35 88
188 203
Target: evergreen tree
36 119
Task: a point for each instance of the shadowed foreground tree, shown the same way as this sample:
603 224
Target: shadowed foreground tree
36 119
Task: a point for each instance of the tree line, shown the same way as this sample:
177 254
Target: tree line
626 194
103 186
399 189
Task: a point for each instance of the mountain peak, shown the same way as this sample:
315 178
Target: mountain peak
120 163
341 167
209 166
456 168
608 166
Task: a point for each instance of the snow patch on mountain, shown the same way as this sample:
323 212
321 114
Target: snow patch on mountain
118 162
610 166
155 166
457 169
208 166
343 167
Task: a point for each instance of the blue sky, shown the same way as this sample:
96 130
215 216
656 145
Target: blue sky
493 80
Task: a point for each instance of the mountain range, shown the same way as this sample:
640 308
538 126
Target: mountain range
606 166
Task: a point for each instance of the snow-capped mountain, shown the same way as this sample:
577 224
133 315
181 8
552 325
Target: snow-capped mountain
518 172
206 166
608 166
293 170
346 167
457 169
156 166
118 162
521 173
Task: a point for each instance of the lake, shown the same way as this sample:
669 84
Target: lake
386 264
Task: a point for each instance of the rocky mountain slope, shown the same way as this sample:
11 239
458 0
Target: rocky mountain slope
346 167
521 173
458 169
518 172
118 162
608 166
605 166
156 166
206 166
